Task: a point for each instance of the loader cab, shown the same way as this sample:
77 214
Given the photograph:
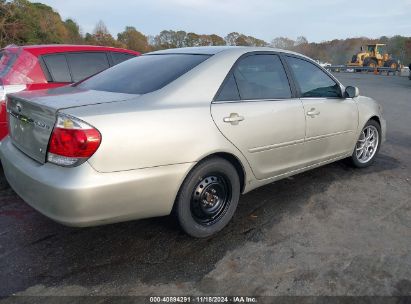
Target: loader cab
376 50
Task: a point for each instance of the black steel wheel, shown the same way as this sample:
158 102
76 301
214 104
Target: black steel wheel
208 197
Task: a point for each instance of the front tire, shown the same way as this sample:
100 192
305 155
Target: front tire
370 62
208 197
367 146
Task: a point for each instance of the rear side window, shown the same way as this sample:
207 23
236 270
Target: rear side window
83 65
312 81
58 68
229 91
120 57
143 74
262 77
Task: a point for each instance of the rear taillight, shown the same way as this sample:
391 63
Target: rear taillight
72 141
6 89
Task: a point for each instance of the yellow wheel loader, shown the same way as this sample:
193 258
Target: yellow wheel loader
374 56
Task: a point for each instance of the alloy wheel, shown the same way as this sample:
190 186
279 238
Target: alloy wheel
367 144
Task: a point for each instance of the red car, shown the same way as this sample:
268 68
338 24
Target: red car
37 67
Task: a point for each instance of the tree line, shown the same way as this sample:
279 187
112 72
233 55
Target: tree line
23 22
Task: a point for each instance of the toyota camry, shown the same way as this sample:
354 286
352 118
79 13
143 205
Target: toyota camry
182 131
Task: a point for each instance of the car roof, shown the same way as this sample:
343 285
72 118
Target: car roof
212 50
60 48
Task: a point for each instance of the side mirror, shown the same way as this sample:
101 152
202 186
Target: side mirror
352 92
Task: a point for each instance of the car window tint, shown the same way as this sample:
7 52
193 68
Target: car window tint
143 74
120 57
312 81
229 91
262 77
58 68
83 65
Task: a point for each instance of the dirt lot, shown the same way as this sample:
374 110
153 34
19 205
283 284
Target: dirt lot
331 231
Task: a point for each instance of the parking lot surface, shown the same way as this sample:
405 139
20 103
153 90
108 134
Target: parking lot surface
334 230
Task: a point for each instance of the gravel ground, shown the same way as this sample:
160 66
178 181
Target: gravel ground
334 230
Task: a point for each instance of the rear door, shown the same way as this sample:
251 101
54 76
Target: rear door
256 111
331 119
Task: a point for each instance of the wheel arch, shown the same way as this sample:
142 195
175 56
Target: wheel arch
231 158
376 119
365 121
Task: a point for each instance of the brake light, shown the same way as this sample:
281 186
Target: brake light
72 141
6 89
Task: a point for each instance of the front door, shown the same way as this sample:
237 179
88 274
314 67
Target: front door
331 119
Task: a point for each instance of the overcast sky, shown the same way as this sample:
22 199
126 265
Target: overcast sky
317 20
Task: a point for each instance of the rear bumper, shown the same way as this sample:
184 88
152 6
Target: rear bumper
81 196
4 130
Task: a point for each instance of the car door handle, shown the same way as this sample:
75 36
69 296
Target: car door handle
313 112
233 119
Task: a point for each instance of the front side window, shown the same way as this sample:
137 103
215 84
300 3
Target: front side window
262 77
312 81
143 74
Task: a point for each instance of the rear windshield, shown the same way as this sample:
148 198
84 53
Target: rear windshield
17 66
143 74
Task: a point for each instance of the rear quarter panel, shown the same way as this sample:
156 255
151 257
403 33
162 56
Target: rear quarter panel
170 126
136 135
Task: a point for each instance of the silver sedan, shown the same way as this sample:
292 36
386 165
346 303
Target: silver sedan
183 130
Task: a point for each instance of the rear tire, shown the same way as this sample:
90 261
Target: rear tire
367 146
208 197
391 63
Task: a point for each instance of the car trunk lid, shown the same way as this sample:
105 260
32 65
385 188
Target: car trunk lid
33 115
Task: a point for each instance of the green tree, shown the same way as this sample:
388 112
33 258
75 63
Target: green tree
101 36
217 40
283 43
133 39
31 23
73 32
231 38
9 25
252 41
192 39
169 39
